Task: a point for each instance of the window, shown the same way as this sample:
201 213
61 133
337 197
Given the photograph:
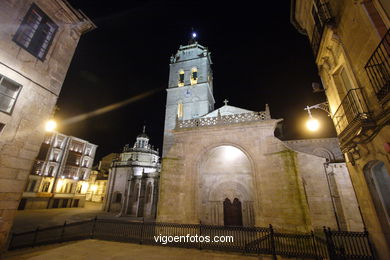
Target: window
9 92
36 32
45 186
51 171
194 76
180 110
181 78
32 186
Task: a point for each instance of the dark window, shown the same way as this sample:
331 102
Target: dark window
36 32
195 75
32 185
9 92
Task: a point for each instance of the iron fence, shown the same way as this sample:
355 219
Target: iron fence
251 240
378 69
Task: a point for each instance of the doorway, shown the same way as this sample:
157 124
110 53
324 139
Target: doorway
232 213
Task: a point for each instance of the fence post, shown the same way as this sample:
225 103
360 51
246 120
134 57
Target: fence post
93 227
63 232
200 234
329 243
314 244
373 252
142 231
272 241
35 236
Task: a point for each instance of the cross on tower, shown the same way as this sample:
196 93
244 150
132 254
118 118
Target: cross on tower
225 101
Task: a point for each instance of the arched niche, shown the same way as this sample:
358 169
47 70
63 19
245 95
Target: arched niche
225 172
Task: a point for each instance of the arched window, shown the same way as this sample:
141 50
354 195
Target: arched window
194 76
180 109
181 78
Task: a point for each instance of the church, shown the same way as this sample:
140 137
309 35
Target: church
225 166
133 180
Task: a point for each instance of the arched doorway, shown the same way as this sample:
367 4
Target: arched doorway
378 181
226 187
232 212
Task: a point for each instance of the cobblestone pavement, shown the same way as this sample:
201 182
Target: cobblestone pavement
107 250
27 220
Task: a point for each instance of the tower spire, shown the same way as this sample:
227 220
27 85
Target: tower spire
143 129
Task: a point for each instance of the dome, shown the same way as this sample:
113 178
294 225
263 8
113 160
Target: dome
143 135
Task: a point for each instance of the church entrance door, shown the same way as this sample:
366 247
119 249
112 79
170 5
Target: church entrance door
232 214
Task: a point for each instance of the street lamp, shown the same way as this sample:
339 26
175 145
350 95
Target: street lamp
313 124
51 125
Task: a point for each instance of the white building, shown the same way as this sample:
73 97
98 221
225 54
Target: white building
59 177
133 180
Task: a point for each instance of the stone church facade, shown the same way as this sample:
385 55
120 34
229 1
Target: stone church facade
226 167
133 180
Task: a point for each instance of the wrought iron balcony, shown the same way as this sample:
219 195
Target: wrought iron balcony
378 69
322 15
352 118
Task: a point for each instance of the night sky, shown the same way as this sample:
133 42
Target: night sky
258 58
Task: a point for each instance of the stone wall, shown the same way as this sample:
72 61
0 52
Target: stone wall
41 83
289 188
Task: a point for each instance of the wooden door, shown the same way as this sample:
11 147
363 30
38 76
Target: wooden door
232 213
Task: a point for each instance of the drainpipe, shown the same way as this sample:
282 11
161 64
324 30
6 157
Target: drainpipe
332 197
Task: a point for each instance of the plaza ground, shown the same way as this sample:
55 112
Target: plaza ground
27 220
107 250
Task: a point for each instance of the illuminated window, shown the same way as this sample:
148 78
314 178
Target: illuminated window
194 76
181 78
180 110
36 32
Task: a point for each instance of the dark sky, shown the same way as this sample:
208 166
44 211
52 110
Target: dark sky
258 57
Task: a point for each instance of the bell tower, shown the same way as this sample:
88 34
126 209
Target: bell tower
190 88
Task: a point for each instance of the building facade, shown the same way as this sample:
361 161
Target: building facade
98 179
226 167
133 181
60 175
37 42
350 41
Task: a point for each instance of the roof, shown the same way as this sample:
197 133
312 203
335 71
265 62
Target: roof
227 110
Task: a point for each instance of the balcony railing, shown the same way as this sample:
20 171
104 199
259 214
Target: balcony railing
352 117
378 69
325 16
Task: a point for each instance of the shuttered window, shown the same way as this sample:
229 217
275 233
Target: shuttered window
36 32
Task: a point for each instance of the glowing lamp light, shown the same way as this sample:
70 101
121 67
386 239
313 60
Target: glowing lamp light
194 35
51 125
312 124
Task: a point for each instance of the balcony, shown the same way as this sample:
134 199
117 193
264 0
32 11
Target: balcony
378 69
322 15
352 119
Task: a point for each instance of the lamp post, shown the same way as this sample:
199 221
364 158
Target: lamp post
312 123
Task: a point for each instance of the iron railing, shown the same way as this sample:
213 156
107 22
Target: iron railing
378 69
251 240
352 112
324 13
